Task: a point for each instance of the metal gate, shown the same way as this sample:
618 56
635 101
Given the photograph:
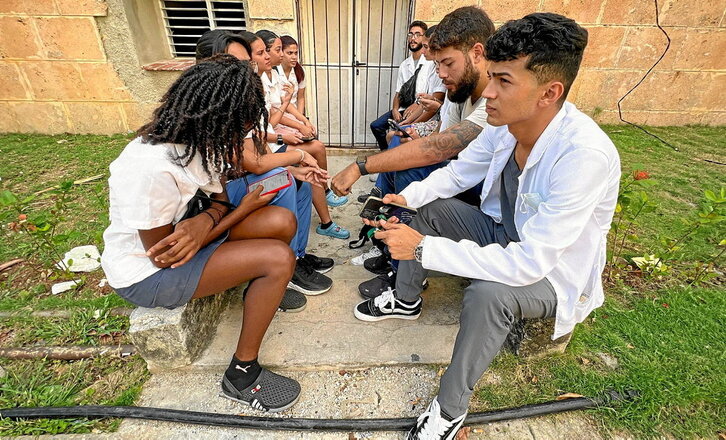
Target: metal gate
351 50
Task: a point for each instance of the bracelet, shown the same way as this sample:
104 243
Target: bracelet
214 221
302 158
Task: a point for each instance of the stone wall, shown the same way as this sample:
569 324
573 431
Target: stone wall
687 86
75 65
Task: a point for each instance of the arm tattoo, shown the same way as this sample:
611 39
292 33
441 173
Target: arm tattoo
449 143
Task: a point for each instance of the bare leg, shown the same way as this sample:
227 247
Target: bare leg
268 261
317 150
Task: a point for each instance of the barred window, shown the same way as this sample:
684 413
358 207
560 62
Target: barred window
187 20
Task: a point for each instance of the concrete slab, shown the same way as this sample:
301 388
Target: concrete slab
327 335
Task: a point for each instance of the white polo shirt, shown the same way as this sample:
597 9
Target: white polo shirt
407 69
291 79
146 190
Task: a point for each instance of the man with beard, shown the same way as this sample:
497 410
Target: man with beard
458 48
406 70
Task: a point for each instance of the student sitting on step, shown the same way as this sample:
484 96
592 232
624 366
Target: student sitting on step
535 247
308 277
163 251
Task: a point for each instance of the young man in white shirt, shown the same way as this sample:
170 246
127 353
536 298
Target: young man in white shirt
406 70
458 48
536 248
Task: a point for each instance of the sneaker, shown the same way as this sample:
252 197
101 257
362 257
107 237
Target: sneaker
293 301
387 306
334 200
372 253
319 264
378 265
306 280
270 392
376 286
375 192
373 177
433 424
334 231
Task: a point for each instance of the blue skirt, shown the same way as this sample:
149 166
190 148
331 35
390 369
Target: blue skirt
171 288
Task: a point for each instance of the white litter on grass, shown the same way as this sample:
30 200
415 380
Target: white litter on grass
81 259
103 282
64 286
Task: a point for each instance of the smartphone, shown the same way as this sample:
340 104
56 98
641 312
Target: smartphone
308 139
395 126
271 184
374 208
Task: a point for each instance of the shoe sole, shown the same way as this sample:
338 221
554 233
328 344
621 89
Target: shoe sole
324 270
332 236
274 410
369 318
425 286
292 286
299 309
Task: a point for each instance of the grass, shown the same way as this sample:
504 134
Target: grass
668 337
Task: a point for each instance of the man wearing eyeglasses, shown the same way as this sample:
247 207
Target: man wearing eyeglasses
405 71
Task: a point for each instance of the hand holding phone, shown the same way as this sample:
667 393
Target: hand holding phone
271 184
375 209
395 126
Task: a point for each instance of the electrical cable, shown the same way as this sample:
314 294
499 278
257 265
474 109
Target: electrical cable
620 111
304 424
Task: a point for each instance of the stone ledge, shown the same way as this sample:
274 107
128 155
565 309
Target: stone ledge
169 65
168 339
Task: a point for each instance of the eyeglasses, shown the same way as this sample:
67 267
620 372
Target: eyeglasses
415 34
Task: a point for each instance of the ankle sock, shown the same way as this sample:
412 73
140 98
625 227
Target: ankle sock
326 225
446 416
242 373
327 190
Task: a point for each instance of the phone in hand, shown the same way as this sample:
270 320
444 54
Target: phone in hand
375 209
396 126
273 183
308 138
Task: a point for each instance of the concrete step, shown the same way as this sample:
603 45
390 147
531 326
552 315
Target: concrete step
327 335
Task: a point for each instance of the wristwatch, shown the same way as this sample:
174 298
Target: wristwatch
279 140
361 162
418 250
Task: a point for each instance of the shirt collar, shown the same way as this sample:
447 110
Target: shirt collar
548 135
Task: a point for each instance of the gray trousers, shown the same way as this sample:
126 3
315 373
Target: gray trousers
488 309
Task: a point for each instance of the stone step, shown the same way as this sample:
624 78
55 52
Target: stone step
326 335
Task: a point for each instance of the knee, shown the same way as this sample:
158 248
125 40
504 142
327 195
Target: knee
280 259
488 300
281 222
317 147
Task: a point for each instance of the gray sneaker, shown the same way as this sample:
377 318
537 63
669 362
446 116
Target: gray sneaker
292 302
270 392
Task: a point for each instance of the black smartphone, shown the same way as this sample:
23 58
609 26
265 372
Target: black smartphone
395 126
375 209
308 139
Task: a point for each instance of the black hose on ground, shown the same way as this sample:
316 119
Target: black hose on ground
275 423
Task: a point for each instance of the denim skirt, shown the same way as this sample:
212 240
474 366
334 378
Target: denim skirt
171 288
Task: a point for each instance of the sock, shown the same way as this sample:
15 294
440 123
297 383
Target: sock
446 416
327 190
326 225
242 373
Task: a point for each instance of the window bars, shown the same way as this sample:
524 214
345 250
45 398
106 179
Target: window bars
186 20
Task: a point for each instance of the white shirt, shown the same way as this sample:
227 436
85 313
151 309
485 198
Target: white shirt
291 79
452 113
146 190
565 203
407 69
273 89
428 80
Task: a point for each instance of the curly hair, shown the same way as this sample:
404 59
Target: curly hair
210 109
462 28
418 23
554 45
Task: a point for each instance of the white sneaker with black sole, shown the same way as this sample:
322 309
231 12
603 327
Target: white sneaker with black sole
386 306
433 424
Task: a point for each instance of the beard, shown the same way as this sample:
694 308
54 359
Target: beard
414 47
466 85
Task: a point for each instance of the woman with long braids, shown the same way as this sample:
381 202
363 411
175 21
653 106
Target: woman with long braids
308 278
159 252
283 118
